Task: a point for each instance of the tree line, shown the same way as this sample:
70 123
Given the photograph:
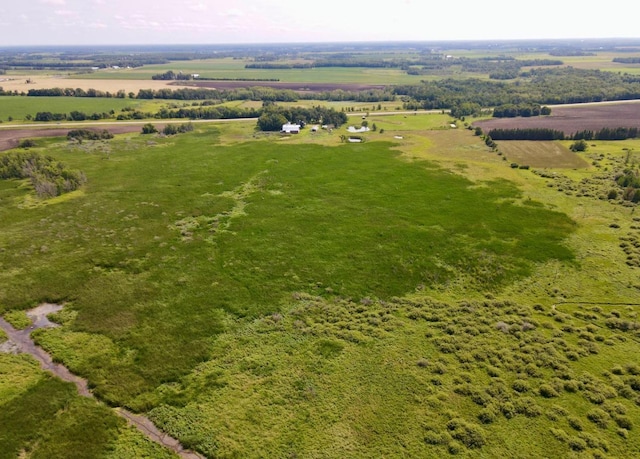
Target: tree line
524 110
542 86
620 133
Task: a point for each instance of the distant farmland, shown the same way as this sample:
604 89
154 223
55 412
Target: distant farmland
573 118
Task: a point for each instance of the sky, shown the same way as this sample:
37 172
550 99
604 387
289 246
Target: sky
121 22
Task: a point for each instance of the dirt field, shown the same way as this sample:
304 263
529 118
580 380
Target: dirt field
281 85
541 154
572 118
19 83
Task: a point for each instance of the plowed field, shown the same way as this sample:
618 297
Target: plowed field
573 118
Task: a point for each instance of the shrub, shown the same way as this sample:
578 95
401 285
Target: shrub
617 370
508 410
577 444
468 434
560 435
528 407
488 414
572 386
149 129
623 422
547 391
27 143
520 386
454 447
633 369
598 417
434 438
87 134
575 423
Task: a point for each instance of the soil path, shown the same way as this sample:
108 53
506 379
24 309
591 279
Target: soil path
21 342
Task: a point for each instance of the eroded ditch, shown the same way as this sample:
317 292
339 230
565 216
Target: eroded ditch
19 341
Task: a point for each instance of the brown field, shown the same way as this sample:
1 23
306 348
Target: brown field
282 85
573 118
541 154
19 83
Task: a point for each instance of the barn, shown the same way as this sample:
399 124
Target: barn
290 128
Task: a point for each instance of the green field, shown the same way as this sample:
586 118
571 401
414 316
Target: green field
223 70
268 296
19 107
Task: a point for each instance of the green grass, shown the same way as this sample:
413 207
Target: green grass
45 416
19 107
270 297
229 68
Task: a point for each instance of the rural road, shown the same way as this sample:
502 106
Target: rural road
174 121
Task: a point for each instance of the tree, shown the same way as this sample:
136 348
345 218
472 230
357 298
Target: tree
149 129
271 121
579 145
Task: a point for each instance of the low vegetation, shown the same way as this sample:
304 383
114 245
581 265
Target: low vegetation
48 177
426 293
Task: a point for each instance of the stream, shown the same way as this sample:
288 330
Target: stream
20 342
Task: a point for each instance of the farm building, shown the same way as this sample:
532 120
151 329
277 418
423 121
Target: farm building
291 128
360 129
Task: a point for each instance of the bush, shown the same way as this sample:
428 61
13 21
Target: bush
579 145
575 423
577 444
27 143
149 129
469 435
623 422
520 386
547 391
598 417
528 407
488 415
87 134
434 438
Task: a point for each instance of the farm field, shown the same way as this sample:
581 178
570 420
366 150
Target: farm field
573 118
257 294
17 108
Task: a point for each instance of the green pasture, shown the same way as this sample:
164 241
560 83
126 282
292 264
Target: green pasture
18 107
260 295
233 69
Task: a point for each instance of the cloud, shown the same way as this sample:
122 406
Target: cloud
198 7
232 13
97 25
66 13
54 2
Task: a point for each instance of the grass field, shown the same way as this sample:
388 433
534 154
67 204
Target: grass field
233 68
19 107
261 295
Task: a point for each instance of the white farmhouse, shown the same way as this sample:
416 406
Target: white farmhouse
291 128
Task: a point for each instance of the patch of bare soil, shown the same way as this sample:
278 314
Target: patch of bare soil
574 118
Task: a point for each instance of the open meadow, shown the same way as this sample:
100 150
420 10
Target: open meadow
412 290
295 296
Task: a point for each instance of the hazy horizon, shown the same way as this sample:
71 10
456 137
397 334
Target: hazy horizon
156 22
